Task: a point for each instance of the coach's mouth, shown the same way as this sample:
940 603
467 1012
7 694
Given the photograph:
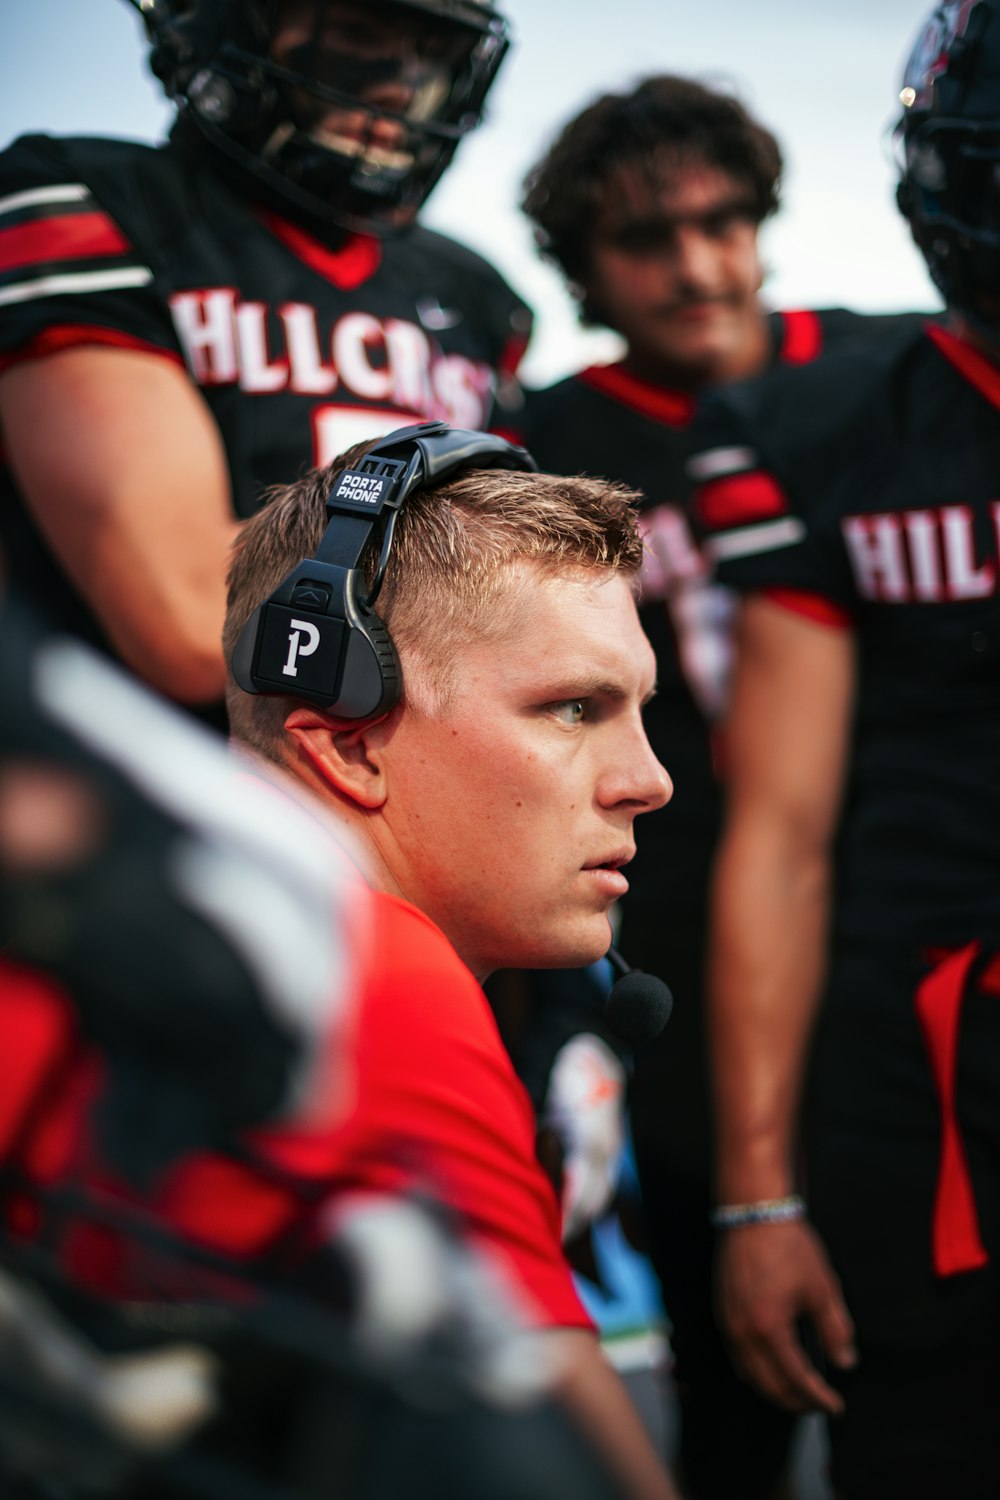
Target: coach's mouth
607 874
613 861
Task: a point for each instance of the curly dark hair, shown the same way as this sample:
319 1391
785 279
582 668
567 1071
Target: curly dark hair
563 191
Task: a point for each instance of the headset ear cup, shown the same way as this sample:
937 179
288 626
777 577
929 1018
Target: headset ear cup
372 680
316 638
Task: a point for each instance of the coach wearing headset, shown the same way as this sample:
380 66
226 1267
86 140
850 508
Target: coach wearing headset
481 738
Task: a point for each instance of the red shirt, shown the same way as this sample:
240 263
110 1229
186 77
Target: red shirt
432 1103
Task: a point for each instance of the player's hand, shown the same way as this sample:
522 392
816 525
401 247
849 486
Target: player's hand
769 1276
585 1105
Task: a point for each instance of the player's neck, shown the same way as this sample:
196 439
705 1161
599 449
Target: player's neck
747 356
387 871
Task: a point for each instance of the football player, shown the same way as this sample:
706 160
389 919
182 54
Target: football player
183 326
651 202
856 973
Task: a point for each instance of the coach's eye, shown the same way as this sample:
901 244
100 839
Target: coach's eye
573 711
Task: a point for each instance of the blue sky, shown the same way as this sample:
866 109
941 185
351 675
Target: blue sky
823 75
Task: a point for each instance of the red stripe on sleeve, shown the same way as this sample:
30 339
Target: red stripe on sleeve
812 606
78 336
64 237
738 499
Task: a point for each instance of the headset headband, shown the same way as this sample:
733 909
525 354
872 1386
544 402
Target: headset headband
318 637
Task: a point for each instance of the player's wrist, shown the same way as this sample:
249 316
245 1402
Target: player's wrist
754 1165
789 1208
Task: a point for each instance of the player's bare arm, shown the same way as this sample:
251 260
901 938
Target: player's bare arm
788 739
596 1396
124 472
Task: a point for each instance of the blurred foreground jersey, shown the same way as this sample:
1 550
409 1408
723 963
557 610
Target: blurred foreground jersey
206 919
427 1101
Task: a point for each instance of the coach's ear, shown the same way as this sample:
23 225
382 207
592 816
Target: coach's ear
347 756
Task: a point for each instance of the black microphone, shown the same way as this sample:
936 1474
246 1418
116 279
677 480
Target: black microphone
639 1004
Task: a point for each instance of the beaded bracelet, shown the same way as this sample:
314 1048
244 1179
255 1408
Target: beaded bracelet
766 1211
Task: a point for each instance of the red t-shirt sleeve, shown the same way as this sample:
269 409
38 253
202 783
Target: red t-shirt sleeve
433 1105
438 1105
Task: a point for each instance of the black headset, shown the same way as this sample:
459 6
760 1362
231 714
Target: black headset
318 637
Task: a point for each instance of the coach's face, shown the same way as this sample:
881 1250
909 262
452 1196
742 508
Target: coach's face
508 812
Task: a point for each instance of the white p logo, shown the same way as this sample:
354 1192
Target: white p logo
300 629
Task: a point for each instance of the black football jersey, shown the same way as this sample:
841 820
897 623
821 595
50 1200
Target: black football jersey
298 349
866 491
605 421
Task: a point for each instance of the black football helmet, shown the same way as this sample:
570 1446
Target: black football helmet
339 112
949 135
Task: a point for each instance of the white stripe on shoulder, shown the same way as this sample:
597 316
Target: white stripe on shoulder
717 461
81 281
748 540
66 192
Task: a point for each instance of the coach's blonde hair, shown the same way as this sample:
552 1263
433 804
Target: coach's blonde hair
450 570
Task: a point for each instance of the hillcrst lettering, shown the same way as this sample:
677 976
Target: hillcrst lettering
926 556
362 358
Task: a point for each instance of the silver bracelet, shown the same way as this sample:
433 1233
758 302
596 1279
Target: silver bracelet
765 1211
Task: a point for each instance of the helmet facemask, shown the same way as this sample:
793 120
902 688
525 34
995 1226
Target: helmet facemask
344 111
948 144
951 195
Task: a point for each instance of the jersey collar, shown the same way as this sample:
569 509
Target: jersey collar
672 408
979 371
801 340
347 267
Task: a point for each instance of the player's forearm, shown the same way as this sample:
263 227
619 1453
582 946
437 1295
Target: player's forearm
165 616
120 465
770 904
597 1399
